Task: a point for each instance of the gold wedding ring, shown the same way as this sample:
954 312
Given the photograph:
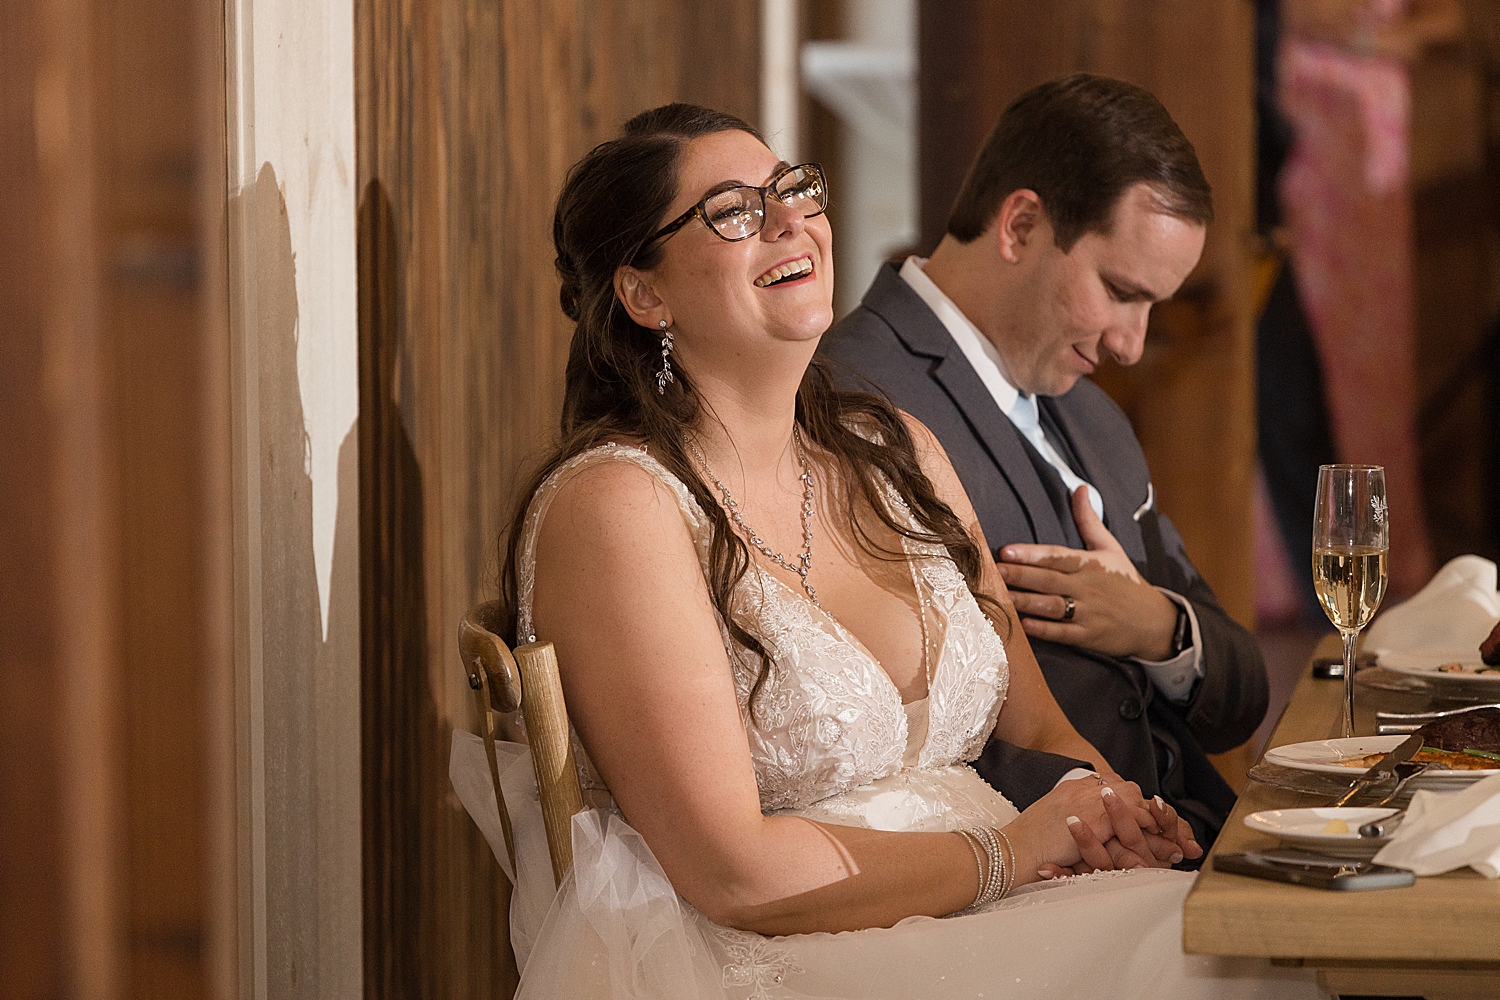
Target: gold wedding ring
1068 608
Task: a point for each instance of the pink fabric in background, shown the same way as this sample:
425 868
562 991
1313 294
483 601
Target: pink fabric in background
1278 601
1346 203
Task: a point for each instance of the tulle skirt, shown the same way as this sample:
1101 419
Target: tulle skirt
616 930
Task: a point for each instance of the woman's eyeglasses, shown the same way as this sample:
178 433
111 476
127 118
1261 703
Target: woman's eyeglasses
738 213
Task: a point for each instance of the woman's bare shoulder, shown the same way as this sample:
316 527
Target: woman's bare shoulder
617 498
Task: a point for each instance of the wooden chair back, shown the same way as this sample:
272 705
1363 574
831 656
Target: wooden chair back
527 681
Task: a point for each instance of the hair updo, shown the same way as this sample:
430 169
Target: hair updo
612 202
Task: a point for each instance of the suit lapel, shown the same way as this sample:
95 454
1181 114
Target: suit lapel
1095 467
924 334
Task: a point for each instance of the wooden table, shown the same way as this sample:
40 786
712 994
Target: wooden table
1439 938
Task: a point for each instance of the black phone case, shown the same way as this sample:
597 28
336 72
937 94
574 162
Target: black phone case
1315 871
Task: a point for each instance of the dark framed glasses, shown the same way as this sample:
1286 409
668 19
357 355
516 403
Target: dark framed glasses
738 213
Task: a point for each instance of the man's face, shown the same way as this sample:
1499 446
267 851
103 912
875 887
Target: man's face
1092 302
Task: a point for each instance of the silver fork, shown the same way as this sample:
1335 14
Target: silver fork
1405 771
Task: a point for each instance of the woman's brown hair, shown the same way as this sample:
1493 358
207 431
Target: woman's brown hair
611 203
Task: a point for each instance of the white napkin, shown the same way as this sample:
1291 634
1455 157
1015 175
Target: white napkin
1447 830
1447 619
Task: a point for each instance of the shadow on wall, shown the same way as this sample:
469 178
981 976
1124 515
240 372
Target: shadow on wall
309 687
435 903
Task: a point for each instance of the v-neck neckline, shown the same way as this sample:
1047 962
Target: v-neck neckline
930 659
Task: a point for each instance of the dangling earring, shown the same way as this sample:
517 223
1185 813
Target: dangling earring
665 375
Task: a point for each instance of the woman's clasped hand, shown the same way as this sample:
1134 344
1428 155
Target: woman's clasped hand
1109 825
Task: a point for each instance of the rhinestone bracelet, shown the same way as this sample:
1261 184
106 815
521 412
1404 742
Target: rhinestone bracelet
980 861
993 883
1012 852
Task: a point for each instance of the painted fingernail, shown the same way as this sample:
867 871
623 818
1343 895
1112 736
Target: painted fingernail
1044 875
1074 821
1159 803
1176 857
1107 792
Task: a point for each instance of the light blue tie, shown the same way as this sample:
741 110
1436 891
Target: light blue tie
1025 415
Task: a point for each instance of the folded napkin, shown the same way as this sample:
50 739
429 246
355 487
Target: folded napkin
1447 830
1448 618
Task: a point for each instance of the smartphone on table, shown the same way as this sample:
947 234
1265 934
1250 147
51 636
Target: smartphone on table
1316 871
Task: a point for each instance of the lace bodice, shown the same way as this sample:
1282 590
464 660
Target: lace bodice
827 719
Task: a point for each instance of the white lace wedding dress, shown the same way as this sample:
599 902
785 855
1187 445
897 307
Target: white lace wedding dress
831 741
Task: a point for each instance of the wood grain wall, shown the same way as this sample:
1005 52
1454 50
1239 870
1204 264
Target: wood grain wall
148 149
33 918
469 112
1191 397
113 501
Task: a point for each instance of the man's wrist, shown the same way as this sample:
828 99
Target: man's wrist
1168 627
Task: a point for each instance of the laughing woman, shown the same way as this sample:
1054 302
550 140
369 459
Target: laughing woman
781 637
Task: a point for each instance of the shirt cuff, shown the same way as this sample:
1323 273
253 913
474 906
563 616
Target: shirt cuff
1075 774
1176 677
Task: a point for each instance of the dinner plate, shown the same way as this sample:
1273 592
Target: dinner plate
1311 828
1425 663
1324 756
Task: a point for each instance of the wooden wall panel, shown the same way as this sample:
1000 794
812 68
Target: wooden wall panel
33 920
468 115
107 535
1456 285
148 154
1191 397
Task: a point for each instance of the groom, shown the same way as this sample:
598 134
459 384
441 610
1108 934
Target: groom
1084 208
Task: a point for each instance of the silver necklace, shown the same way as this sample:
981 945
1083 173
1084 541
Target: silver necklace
804 561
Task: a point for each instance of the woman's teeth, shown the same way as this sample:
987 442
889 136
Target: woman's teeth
792 269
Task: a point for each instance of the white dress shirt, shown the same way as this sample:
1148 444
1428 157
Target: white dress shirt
1174 677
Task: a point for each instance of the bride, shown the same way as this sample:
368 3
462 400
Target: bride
781 637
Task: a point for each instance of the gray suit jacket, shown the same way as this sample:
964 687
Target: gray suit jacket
893 343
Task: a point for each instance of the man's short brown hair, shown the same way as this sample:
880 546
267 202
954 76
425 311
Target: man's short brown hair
1080 143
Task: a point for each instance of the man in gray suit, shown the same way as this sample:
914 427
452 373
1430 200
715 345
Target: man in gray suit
1086 206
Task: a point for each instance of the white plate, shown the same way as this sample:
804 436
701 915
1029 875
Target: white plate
1425 662
1310 827
1324 756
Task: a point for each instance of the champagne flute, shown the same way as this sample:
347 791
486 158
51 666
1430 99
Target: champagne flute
1350 541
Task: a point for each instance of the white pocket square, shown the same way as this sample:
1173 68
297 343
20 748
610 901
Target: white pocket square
1150 500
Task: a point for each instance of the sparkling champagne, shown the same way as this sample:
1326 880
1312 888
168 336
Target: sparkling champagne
1350 581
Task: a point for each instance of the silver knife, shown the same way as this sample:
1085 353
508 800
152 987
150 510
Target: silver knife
1384 768
1392 723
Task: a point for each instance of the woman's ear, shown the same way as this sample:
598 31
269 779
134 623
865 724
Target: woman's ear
640 300
1017 223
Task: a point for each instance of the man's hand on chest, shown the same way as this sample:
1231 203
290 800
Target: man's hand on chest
1093 598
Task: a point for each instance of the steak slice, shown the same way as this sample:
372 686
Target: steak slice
1476 730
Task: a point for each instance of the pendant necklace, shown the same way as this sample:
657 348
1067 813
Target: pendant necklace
804 561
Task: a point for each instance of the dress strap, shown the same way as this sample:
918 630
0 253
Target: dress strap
692 514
